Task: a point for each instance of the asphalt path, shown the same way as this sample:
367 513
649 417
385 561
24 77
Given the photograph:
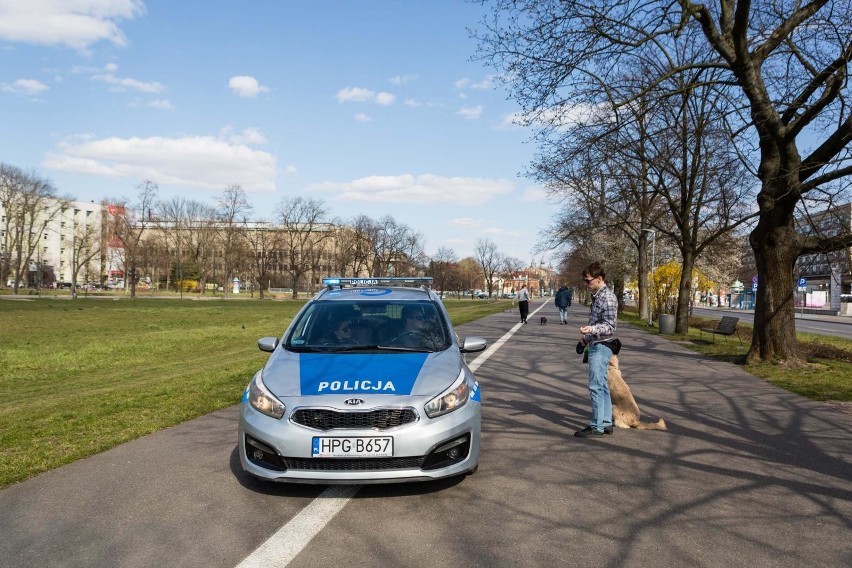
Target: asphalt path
747 474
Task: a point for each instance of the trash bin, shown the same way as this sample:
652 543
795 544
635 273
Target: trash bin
667 324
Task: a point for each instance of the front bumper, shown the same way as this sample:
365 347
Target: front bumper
427 449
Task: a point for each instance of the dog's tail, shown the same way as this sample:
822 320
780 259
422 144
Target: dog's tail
658 425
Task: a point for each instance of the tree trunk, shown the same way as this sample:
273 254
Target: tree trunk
684 295
774 336
644 300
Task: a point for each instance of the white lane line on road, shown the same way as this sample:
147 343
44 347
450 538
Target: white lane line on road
284 545
289 540
499 343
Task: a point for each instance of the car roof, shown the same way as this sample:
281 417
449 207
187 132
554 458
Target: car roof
378 293
396 289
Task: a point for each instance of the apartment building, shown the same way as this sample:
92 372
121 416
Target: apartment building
51 241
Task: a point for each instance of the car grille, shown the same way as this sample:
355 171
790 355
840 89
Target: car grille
368 464
381 419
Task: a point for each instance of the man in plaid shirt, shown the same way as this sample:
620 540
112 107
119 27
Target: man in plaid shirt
601 328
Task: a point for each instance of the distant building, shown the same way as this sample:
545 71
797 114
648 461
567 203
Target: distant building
826 276
61 233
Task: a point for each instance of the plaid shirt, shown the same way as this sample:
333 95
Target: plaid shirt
602 317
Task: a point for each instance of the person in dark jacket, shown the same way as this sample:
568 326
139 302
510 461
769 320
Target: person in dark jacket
563 300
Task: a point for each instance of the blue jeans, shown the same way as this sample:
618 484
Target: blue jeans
599 356
563 314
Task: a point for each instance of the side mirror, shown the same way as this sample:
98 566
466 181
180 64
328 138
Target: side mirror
267 344
473 344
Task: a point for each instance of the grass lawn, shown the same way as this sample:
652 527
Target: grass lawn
827 375
78 377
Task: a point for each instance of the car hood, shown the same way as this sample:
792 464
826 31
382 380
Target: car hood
309 374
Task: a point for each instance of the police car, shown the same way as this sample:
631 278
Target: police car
368 384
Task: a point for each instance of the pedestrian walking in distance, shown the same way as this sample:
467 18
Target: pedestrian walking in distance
524 303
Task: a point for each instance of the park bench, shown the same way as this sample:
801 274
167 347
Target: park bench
726 326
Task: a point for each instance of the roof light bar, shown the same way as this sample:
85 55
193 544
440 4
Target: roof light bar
337 282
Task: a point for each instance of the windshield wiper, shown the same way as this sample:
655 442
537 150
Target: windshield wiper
297 349
374 347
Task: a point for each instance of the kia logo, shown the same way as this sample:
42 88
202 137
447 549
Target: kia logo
353 401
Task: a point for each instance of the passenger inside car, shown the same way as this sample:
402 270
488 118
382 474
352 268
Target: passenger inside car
341 334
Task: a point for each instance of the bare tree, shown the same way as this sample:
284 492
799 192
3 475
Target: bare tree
233 213
701 180
30 205
12 184
128 225
395 247
356 257
262 244
85 245
470 274
441 268
600 167
490 261
784 83
306 232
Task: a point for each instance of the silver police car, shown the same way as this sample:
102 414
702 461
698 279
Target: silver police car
367 385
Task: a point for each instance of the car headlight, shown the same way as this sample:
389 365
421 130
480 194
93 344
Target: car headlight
451 399
264 401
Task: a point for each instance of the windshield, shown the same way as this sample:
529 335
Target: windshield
369 325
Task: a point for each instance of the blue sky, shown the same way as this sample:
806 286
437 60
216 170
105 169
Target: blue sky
375 107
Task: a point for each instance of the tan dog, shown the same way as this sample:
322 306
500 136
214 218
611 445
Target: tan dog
625 411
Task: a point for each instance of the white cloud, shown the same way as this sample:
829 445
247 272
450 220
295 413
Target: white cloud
191 161
427 188
249 136
354 95
465 223
400 80
413 103
246 87
362 95
534 193
122 84
361 117
385 99
25 87
76 24
483 227
162 104
471 113
464 84
563 117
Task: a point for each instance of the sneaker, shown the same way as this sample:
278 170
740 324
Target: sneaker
607 429
588 431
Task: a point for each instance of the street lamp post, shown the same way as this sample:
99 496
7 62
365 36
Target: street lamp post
651 279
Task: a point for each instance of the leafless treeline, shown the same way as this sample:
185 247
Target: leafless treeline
180 243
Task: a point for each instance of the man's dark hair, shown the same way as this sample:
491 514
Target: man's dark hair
594 270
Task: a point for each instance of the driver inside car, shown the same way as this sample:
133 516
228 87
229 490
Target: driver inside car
415 330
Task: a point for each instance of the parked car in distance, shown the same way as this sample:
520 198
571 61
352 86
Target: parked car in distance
368 384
